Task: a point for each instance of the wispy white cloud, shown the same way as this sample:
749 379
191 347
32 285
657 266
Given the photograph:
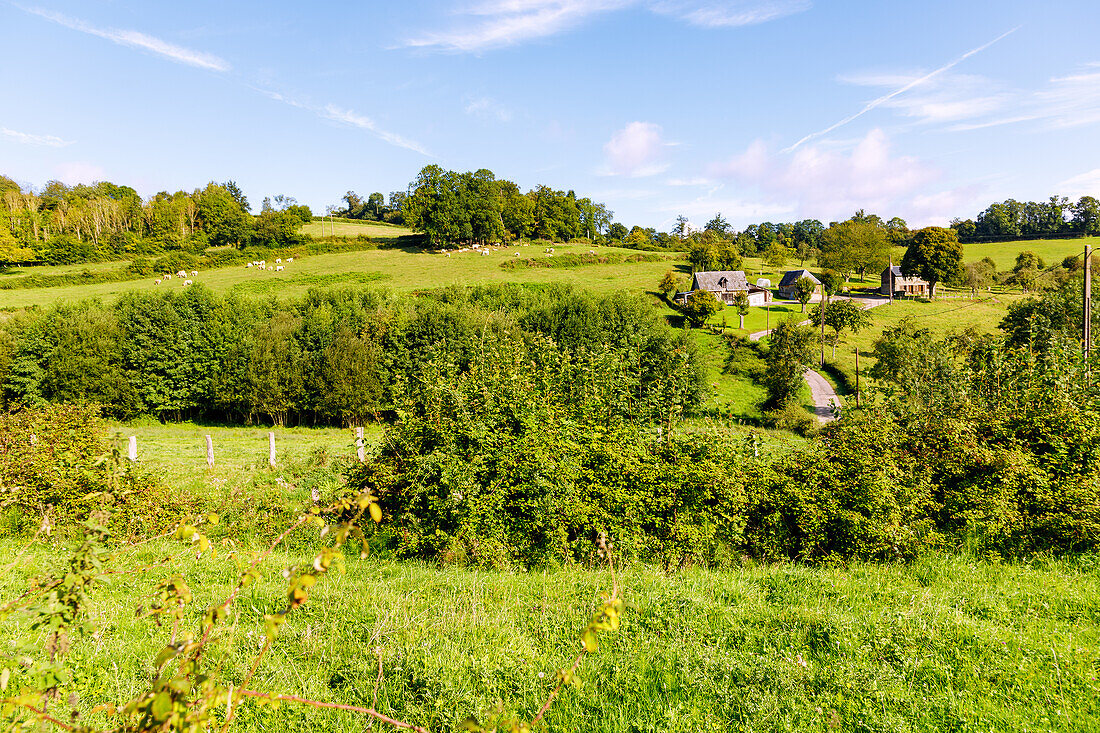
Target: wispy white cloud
911 84
487 107
635 151
30 139
965 103
136 39
355 119
500 23
730 14
948 98
343 116
1084 184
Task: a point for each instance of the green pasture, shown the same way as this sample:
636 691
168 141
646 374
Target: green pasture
1051 251
940 644
392 268
345 228
941 317
176 452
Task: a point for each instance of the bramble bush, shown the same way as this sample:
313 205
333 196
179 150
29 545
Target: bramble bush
55 464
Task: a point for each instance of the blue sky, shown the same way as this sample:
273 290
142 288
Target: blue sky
761 109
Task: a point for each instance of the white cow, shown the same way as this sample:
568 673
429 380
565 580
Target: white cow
194 273
278 260
168 276
278 268
157 281
181 273
186 282
249 265
289 259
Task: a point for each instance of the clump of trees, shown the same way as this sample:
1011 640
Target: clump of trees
84 223
1011 219
335 357
452 208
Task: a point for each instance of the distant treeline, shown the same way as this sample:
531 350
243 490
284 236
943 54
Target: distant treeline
339 357
67 224
1011 219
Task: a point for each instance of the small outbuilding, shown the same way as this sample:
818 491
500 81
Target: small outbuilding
786 288
894 281
725 284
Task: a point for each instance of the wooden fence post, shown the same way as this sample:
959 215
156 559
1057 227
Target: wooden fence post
360 451
209 452
132 453
271 449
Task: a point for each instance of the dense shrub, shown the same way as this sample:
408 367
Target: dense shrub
55 463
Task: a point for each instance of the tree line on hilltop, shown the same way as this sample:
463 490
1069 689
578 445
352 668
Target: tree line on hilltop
63 224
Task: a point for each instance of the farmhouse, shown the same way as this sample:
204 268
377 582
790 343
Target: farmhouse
724 285
893 280
786 285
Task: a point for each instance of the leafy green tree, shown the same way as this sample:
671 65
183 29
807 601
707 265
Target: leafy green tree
223 219
934 254
719 226
775 256
804 289
703 255
617 232
1086 215
842 315
979 275
670 284
789 354
741 303
701 305
238 196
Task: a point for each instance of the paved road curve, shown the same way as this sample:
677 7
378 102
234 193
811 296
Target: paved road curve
826 400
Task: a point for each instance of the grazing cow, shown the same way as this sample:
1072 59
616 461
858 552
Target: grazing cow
278 260
168 276
278 268
157 281
289 259
186 282
181 273
263 266
249 265
194 273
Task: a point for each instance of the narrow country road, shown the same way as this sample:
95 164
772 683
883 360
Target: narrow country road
825 398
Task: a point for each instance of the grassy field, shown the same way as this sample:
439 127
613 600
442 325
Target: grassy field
1051 251
941 644
177 451
392 268
940 316
354 229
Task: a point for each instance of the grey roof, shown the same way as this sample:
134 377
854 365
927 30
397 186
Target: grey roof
899 275
792 276
720 280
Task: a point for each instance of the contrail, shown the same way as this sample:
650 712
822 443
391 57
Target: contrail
887 97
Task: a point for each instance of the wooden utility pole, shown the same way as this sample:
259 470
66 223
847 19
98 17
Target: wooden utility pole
822 309
209 452
271 449
890 279
1086 325
360 447
857 376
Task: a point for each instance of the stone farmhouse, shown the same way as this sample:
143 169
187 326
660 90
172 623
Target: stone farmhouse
893 280
724 285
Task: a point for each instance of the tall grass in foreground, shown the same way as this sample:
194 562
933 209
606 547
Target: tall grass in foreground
943 643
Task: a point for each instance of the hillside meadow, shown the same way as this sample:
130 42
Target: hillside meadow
942 643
